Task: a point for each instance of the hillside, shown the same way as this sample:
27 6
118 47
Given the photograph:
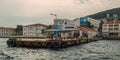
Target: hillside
104 13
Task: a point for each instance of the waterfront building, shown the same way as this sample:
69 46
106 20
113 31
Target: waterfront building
82 32
82 20
6 31
94 22
111 28
90 32
63 24
34 30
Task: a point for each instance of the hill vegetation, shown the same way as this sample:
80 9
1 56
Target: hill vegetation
103 14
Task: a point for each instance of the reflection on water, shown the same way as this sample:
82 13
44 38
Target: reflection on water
99 50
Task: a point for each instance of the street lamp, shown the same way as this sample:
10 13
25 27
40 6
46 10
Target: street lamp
57 31
54 15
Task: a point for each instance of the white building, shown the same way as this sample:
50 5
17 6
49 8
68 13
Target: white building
111 28
65 23
6 32
89 31
79 21
94 22
34 30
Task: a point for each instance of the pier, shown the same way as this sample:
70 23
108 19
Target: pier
46 42
55 38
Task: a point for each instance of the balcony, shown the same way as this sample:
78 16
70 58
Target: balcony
114 31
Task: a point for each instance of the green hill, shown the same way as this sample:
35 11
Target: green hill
103 14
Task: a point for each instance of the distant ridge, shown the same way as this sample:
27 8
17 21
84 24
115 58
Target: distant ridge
103 14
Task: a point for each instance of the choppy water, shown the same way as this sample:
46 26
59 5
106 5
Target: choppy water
99 50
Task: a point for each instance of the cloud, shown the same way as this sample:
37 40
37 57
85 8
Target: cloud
13 12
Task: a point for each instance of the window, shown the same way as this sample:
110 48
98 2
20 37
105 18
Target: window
31 28
105 28
116 28
116 25
110 28
105 25
110 25
24 28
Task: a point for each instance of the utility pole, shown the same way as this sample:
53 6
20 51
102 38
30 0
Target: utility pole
54 15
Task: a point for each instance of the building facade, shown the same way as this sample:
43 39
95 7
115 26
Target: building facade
34 30
111 28
94 22
89 31
82 20
63 24
6 32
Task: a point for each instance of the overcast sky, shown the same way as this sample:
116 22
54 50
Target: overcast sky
13 12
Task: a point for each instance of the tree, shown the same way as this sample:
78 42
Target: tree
50 27
118 18
43 31
19 30
87 24
100 26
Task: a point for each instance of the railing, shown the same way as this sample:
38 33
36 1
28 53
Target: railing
114 31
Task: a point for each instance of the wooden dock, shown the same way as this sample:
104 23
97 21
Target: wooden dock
46 42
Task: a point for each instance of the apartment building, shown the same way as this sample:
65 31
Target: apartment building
82 20
111 28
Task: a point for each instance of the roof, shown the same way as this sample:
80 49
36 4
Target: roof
86 29
35 25
95 28
7 28
112 22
